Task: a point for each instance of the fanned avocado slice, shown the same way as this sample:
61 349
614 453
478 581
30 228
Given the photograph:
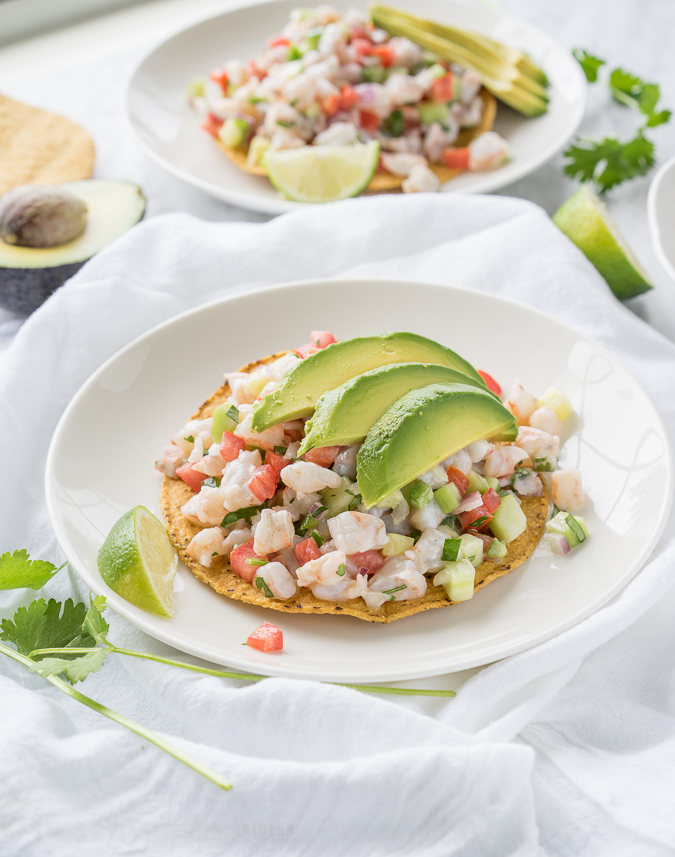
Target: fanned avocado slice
346 414
422 428
327 369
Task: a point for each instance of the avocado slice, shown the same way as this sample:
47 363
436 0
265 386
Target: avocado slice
28 275
332 366
422 428
346 414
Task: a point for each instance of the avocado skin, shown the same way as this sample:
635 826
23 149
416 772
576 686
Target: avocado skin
413 435
23 290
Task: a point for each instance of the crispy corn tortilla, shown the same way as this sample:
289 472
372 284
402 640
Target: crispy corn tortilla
38 147
175 493
384 182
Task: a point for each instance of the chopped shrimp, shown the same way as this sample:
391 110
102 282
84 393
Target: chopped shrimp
206 545
528 485
323 570
436 477
406 53
521 403
428 551
399 164
273 533
479 451
267 439
546 419
488 151
286 138
430 516
502 460
298 505
172 458
212 464
403 89
421 180
345 463
467 115
241 393
374 98
282 365
305 477
337 134
235 492
567 491
438 138
461 460
193 429
349 587
206 508
469 86
537 443
397 572
410 144
333 36
279 580
356 532
237 537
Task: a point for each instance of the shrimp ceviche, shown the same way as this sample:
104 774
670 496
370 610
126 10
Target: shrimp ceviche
377 476
328 80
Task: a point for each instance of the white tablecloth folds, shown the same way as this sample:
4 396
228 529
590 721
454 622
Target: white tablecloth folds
568 749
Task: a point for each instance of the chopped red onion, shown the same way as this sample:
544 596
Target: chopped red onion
559 544
469 503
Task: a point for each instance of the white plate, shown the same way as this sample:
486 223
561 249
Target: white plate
169 132
661 211
143 394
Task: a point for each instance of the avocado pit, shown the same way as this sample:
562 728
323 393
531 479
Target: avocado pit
41 216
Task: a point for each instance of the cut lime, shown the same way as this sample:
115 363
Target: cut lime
585 221
322 173
138 561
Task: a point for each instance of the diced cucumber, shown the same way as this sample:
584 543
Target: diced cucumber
391 502
233 132
340 499
477 483
493 483
430 112
497 549
558 402
225 418
448 497
374 74
397 545
458 579
257 148
312 38
509 520
420 495
195 89
256 382
438 70
565 524
471 549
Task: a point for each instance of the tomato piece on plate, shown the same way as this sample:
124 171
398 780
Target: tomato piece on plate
306 551
231 446
456 159
263 482
266 638
324 456
322 338
369 121
459 479
492 385
238 562
442 89
276 462
192 478
368 561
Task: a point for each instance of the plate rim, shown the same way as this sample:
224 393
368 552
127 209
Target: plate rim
273 205
205 652
654 222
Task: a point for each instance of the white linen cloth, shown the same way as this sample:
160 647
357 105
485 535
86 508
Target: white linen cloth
567 749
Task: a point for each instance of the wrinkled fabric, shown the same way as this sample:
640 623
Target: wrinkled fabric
565 749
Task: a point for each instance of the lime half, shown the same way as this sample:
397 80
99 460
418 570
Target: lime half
585 221
138 561
322 173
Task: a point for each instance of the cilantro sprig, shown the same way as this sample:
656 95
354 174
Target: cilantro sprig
588 63
19 571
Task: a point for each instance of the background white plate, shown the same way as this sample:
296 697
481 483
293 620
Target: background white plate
661 211
142 396
169 132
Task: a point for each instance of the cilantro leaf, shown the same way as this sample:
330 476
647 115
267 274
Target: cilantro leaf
588 63
659 118
72 670
629 89
45 625
94 624
18 571
609 162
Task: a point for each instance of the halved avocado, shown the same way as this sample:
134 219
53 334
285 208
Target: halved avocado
346 415
28 275
332 366
422 428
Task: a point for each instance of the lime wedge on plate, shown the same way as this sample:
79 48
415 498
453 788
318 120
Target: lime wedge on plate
138 561
585 221
322 173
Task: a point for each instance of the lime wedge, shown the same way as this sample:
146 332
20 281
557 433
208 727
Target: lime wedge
138 561
322 173
585 221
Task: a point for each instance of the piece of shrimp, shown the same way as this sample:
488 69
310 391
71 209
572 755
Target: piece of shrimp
328 569
356 532
273 533
305 478
206 545
566 490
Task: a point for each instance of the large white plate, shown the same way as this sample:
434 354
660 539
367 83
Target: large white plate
661 212
101 463
168 130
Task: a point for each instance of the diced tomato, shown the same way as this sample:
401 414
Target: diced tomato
322 338
211 124
459 479
266 638
263 482
386 55
362 47
238 562
456 159
442 89
358 33
306 350
324 456
277 41
231 446
491 500
257 72
370 561
306 551
276 462
192 478
468 519
492 385
348 97
220 78
369 121
331 104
